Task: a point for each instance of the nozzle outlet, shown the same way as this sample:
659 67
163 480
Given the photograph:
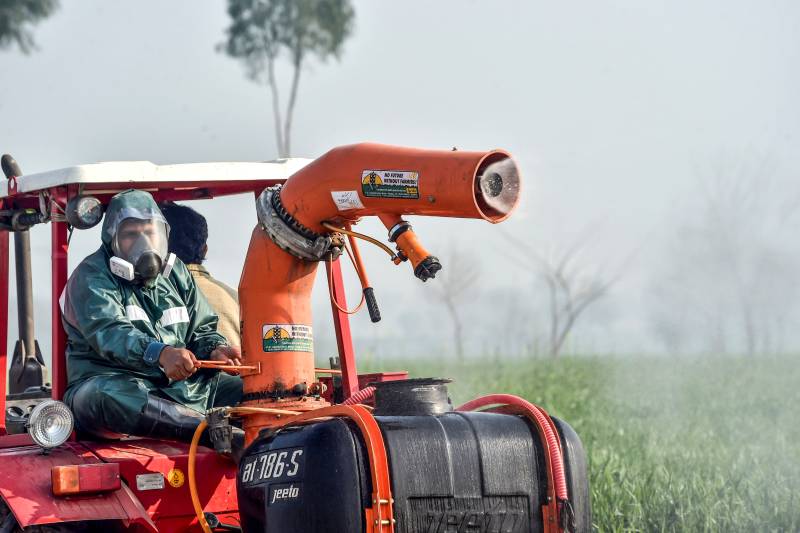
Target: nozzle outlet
497 187
428 268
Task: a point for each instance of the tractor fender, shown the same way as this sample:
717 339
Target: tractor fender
26 488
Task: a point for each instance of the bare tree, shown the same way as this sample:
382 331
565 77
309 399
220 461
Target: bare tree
731 273
452 288
261 30
571 286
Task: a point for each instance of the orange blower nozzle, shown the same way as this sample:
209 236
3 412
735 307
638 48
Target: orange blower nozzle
374 179
293 235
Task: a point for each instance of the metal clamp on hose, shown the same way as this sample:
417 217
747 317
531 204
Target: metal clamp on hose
220 430
288 233
398 229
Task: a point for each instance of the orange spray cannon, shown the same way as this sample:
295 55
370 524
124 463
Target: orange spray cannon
300 224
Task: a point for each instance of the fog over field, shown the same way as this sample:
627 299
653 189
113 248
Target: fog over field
657 141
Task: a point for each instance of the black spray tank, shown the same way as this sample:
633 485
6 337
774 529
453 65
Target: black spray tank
450 471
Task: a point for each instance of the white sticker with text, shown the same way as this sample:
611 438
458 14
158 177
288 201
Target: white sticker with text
345 200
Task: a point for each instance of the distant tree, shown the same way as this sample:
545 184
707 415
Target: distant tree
571 286
730 281
262 30
15 18
452 288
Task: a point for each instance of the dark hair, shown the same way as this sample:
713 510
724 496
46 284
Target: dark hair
188 232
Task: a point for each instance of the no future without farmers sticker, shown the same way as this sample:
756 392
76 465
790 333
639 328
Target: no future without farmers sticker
287 338
390 184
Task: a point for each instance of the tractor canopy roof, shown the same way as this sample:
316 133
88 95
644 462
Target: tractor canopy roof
114 176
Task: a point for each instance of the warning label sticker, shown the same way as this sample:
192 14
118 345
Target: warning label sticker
176 477
390 184
287 338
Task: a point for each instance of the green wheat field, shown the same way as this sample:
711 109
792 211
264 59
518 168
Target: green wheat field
708 444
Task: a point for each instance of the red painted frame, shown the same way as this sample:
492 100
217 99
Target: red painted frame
341 322
161 191
3 325
59 252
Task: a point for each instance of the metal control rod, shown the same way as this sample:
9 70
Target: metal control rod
26 369
22 261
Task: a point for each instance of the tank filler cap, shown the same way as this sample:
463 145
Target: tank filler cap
412 397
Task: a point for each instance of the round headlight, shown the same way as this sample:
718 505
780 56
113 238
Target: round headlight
50 423
84 212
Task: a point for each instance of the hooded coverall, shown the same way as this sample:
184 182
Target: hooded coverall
112 323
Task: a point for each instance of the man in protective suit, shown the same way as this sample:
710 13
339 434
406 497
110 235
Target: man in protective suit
136 326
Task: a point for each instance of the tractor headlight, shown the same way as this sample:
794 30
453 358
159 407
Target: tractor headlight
50 423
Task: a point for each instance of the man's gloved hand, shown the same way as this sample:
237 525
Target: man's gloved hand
177 363
230 355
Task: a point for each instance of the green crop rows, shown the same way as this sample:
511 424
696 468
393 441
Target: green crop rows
674 444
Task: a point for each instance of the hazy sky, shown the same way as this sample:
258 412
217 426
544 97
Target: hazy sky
612 109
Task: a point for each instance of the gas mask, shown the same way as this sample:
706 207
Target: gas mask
139 245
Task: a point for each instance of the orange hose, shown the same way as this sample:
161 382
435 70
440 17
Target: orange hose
260 410
327 371
367 238
548 429
329 266
198 507
360 396
226 368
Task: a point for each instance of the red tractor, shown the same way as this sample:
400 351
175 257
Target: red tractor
328 450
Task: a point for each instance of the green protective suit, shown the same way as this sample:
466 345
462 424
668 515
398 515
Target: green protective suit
112 323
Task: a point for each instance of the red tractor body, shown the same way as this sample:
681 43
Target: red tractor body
375 453
154 495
